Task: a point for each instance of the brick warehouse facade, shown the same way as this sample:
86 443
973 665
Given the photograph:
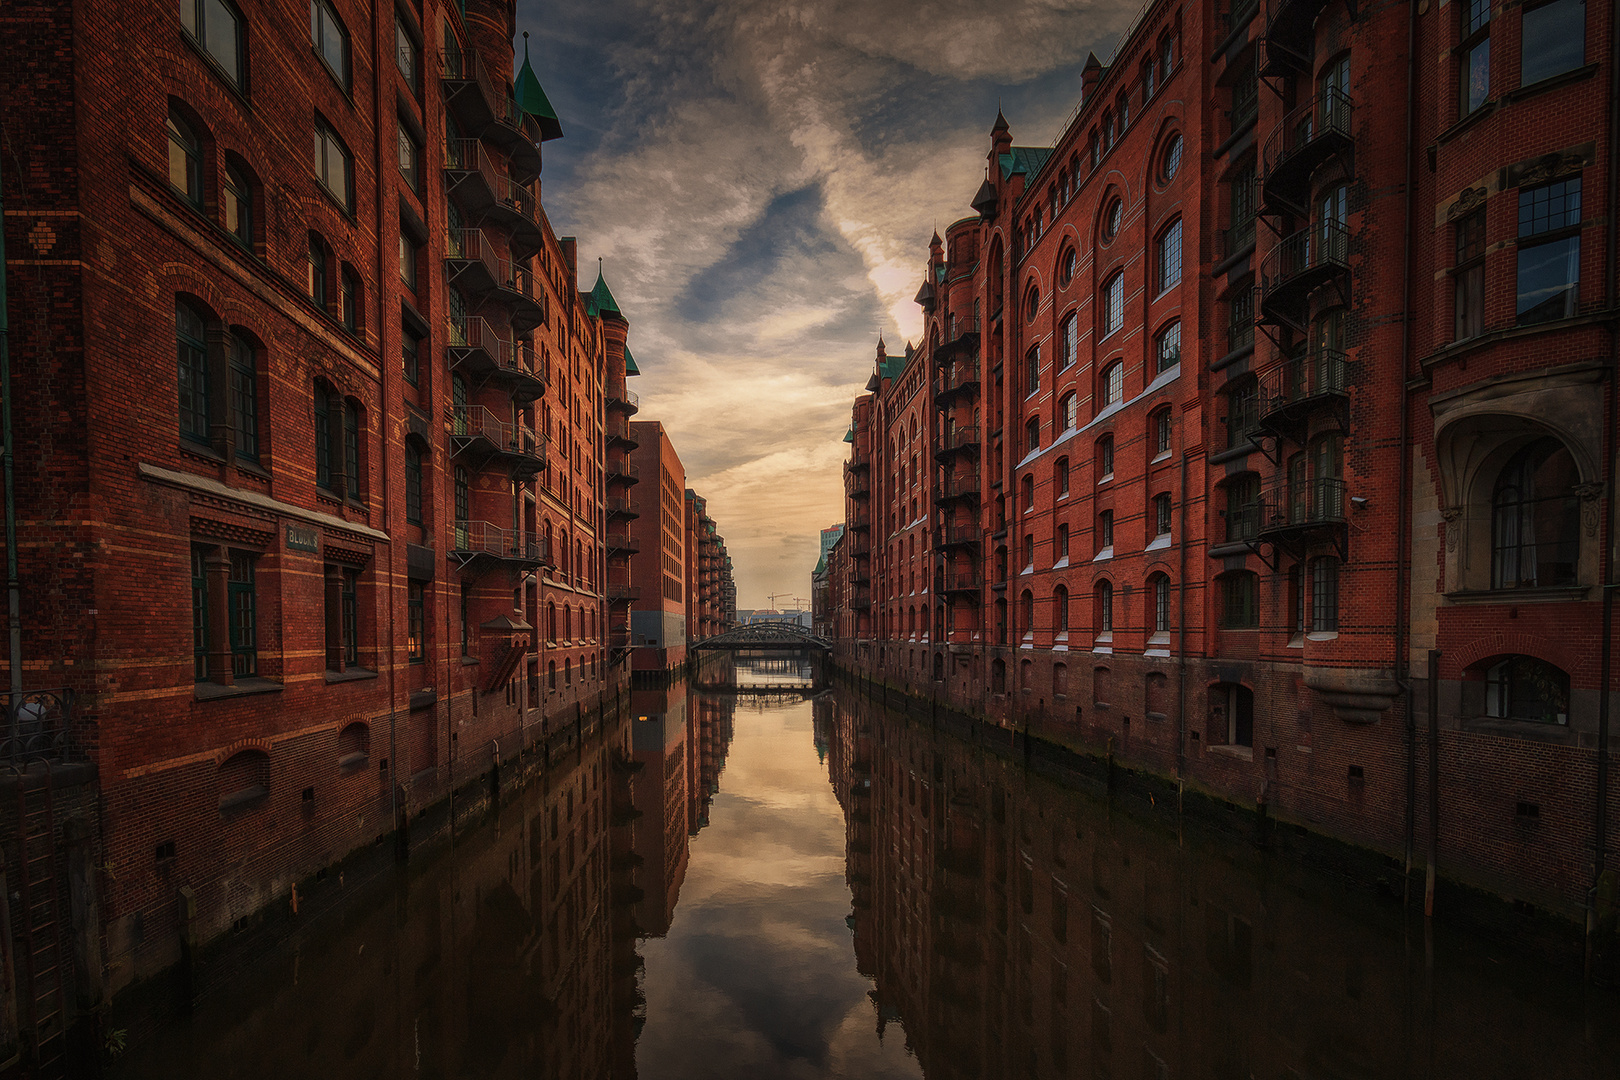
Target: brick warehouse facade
1170 474
338 423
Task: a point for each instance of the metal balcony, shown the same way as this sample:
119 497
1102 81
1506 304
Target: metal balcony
469 93
1302 387
479 435
624 543
39 727
962 340
958 536
618 431
622 472
625 401
958 582
1310 135
1290 34
1300 264
470 261
618 507
859 523
477 349
962 440
860 603
856 461
861 550
857 484
860 577
518 134
514 287
1293 515
621 593
956 488
960 378
490 545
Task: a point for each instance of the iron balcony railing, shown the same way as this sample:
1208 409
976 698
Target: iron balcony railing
619 592
619 431
1236 238
1303 380
1306 137
959 439
468 90
39 727
468 160
623 470
959 377
1303 504
474 332
957 487
1303 258
857 484
949 535
514 283
515 197
474 264
959 581
621 507
484 538
858 522
621 398
858 460
1243 521
475 422
625 542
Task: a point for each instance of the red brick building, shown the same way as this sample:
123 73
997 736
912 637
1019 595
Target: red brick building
658 536
1290 361
711 590
310 449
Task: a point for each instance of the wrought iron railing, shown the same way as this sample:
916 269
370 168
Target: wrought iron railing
39 727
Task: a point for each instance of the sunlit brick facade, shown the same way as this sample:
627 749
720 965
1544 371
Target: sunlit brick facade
310 475
1170 472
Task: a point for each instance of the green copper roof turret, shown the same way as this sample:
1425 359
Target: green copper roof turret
532 99
630 363
602 296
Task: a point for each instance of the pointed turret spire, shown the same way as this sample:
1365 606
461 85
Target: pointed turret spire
602 297
532 99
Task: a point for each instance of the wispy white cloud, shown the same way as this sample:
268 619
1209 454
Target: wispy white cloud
761 180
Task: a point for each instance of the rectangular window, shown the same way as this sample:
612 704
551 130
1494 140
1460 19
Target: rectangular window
323 438
1063 542
416 621
1241 189
216 28
1113 388
407 261
331 39
413 484
1474 69
1240 318
244 401
1162 427
406 54
193 374
1113 312
199 613
411 353
1161 515
1032 366
1245 96
334 165
1554 40
410 160
1071 340
1550 265
1105 530
1242 413
1170 257
350 615
1105 609
349 300
1469 276
243 615
1169 350
351 449
1238 608
1324 596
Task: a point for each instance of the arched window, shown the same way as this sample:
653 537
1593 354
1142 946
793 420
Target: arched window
413 481
1242 412
325 477
349 299
1170 256
1026 611
1324 595
1168 347
1105 458
1068 340
1060 477
1026 674
1103 610
1243 507
1111 385
1161 515
1027 490
1159 591
190 331
1032 434
351 448
1231 714
315 280
1160 426
236 204
1032 370
1060 605
1111 220
1066 266
1069 410
244 779
1032 303
1525 688
1535 515
185 160
354 745
216 28
1113 304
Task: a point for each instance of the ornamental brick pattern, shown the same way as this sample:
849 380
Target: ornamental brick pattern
1288 362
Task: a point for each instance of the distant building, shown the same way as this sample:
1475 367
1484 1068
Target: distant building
658 538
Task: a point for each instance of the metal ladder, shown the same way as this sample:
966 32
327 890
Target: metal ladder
38 930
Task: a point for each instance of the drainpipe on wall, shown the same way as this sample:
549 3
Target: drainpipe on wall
1600 802
13 582
1403 497
1181 631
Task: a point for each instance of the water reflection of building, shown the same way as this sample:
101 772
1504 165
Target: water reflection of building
495 958
1020 928
659 742
712 716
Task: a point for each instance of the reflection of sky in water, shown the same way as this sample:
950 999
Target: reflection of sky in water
757 975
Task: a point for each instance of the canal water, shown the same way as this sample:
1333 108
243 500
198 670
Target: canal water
770 879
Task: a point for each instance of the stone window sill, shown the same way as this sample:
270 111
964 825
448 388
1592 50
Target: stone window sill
1546 595
1528 730
354 674
208 691
1246 753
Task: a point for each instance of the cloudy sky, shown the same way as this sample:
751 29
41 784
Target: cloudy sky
760 178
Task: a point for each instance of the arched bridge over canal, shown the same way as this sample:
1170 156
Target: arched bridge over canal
766 636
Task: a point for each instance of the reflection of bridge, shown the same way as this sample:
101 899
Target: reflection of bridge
765 635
